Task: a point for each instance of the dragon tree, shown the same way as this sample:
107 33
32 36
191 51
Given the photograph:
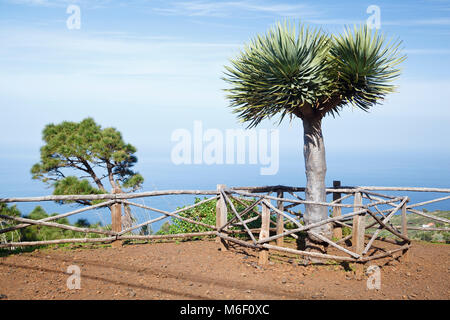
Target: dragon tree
309 74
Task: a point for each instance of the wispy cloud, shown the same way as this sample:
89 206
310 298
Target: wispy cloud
228 8
98 42
428 51
117 54
336 21
418 22
61 3
110 68
45 3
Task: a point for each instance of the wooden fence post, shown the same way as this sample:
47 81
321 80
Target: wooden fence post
405 229
337 212
280 220
221 216
358 232
264 233
116 219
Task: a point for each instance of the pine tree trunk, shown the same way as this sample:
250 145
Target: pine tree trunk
316 168
127 219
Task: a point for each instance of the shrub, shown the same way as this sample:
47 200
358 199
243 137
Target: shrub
5 223
206 213
41 233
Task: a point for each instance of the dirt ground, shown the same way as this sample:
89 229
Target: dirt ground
199 270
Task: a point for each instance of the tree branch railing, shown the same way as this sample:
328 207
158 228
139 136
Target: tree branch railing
376 212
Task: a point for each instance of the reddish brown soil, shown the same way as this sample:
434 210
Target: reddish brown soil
198 270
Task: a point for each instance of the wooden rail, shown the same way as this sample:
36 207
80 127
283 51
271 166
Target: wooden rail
278 214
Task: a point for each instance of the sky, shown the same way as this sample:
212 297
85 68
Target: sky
149 68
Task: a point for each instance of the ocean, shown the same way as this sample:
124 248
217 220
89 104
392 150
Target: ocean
399 169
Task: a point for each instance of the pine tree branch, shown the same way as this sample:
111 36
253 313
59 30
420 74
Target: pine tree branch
89 169
109 168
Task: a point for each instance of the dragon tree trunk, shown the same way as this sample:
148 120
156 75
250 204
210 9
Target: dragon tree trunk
316 168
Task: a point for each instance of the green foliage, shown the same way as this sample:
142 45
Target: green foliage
291 225
146 230
364 65
165 228
40 233
72 185
418 221
424 236
86 148
82 223
432 236
206 213
346 231
309 73
278 72
9 210
133 181
13 212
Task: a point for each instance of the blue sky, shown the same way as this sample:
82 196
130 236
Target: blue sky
150 67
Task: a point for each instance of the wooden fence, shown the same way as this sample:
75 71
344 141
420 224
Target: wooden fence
274 206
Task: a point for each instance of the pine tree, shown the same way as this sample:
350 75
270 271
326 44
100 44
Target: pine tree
81 158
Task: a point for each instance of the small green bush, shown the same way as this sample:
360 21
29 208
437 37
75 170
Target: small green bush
6 223
40 233
206 213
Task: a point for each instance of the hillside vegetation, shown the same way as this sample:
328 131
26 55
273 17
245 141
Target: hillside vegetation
41 233
415 220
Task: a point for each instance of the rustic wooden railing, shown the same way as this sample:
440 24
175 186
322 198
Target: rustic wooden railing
274 206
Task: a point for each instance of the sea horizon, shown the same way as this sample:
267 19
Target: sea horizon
404 169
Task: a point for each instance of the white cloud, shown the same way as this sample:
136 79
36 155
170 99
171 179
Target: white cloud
336 21
45 3
427 51
113 68
119 54
418 22
98 42
62 3
223 9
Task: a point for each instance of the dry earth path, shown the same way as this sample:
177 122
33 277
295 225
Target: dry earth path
198 270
